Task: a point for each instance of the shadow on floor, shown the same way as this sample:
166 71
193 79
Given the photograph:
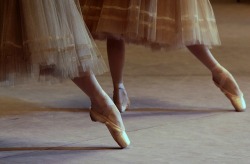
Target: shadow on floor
56 148
11 106
151 112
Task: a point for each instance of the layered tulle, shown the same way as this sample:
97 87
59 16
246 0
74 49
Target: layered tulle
43 39
158 23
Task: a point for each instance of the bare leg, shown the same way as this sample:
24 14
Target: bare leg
89 85
221 76
204 55
103 108
116 57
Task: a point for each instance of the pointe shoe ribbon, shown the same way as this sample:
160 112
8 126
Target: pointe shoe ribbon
113 121
237 101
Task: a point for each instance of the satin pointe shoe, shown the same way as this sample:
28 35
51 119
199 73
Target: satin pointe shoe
237 101
121 99
111 117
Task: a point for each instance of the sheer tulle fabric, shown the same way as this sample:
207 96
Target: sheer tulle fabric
43 39
158 23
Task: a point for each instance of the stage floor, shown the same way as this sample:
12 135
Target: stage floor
177 114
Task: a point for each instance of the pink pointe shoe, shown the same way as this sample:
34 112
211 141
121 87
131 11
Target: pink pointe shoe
111 117
238 100
121 99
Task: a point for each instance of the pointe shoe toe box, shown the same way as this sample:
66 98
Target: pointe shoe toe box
238 102
115 126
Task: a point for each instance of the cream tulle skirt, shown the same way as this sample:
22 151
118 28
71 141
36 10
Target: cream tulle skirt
43 39
158 23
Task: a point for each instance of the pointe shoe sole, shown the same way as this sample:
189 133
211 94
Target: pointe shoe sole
118 134
238 102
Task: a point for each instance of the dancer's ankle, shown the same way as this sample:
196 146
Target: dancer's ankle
117 86
99 102
217 69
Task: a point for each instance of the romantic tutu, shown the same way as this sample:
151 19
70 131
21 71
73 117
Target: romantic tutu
158 23
45 38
